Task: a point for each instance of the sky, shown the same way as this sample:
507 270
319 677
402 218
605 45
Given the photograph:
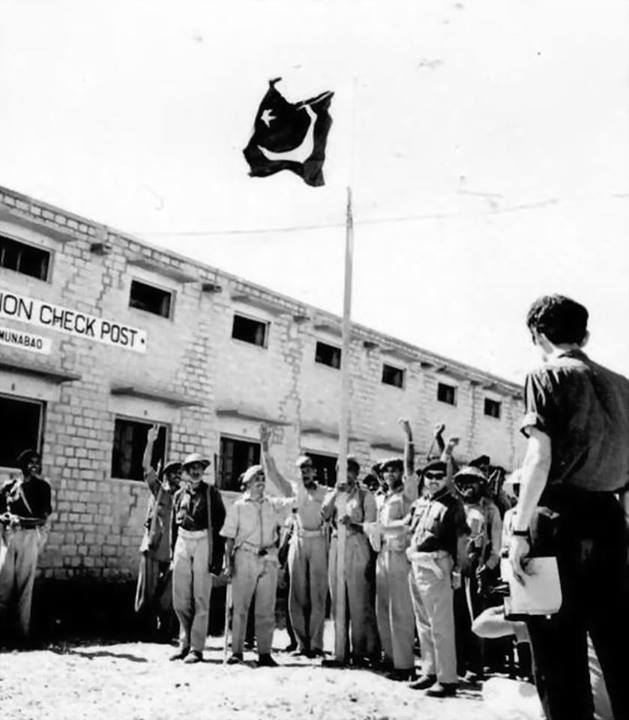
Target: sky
486 145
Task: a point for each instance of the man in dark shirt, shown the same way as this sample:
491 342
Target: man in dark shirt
154 592
25 503
198 516
438 525
576 465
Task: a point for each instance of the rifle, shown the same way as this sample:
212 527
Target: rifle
228 602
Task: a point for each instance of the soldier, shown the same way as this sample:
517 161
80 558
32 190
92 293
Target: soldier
307 554
25 504
198 515
360 509
153 596
251 530
394 610
480 563
438 525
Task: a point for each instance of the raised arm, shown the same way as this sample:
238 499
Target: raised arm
448 458
270 468
150 474
409 447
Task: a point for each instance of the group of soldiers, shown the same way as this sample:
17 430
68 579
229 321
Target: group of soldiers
417 545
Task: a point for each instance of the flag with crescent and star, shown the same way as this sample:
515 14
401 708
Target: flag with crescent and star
290 136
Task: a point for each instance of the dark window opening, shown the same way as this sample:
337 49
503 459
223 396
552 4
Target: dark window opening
492 408
392 376
24 259
150 299
248 330
236 456
325 465
328 355
446 393
129 444
21 423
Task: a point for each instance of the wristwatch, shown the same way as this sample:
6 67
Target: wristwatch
521 533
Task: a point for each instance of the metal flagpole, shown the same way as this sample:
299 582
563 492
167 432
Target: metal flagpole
340 624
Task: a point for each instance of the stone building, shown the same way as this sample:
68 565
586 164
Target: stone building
102 335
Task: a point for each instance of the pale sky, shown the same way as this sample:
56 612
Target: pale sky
490 146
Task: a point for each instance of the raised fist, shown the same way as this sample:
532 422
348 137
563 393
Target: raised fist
152 433
439 428
405 424
265 434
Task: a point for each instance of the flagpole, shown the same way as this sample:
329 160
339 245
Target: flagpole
340 625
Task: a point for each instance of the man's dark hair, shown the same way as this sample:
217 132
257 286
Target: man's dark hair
559 318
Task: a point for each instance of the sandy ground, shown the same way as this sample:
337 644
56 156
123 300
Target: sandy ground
135 681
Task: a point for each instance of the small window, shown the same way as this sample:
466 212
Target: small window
446 393
328 355
492 408
24 259
128 450
249 330
325 466
392 376
150 298
236 456
21 422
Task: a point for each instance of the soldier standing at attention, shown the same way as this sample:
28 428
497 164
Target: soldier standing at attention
25 504
360 509
251 530
307 554
394 609
198 515
153 598
438 528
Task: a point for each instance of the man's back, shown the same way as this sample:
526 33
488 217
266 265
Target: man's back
584 408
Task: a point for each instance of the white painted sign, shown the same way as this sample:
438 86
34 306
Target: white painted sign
55 317
25 340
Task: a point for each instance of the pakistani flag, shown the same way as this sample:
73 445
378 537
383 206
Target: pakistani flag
289 136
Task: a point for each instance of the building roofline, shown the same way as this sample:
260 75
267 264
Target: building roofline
56 219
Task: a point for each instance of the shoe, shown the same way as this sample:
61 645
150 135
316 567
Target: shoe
194 656
180 654
265 660
423 682
442 690
235 659
300 652
401 674
317 652
291 647
474 677
333 663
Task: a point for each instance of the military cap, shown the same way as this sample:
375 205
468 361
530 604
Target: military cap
394 462
469 473
480 460
195 458
352 463
435 465
303 460
172 466
250 473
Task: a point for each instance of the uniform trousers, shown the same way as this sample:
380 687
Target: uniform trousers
362 620
432 603
192 587
20 549
254 574
308 563
394 609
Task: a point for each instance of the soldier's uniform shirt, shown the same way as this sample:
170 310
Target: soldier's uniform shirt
308 503
37 493
190 507
254 526
438 523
